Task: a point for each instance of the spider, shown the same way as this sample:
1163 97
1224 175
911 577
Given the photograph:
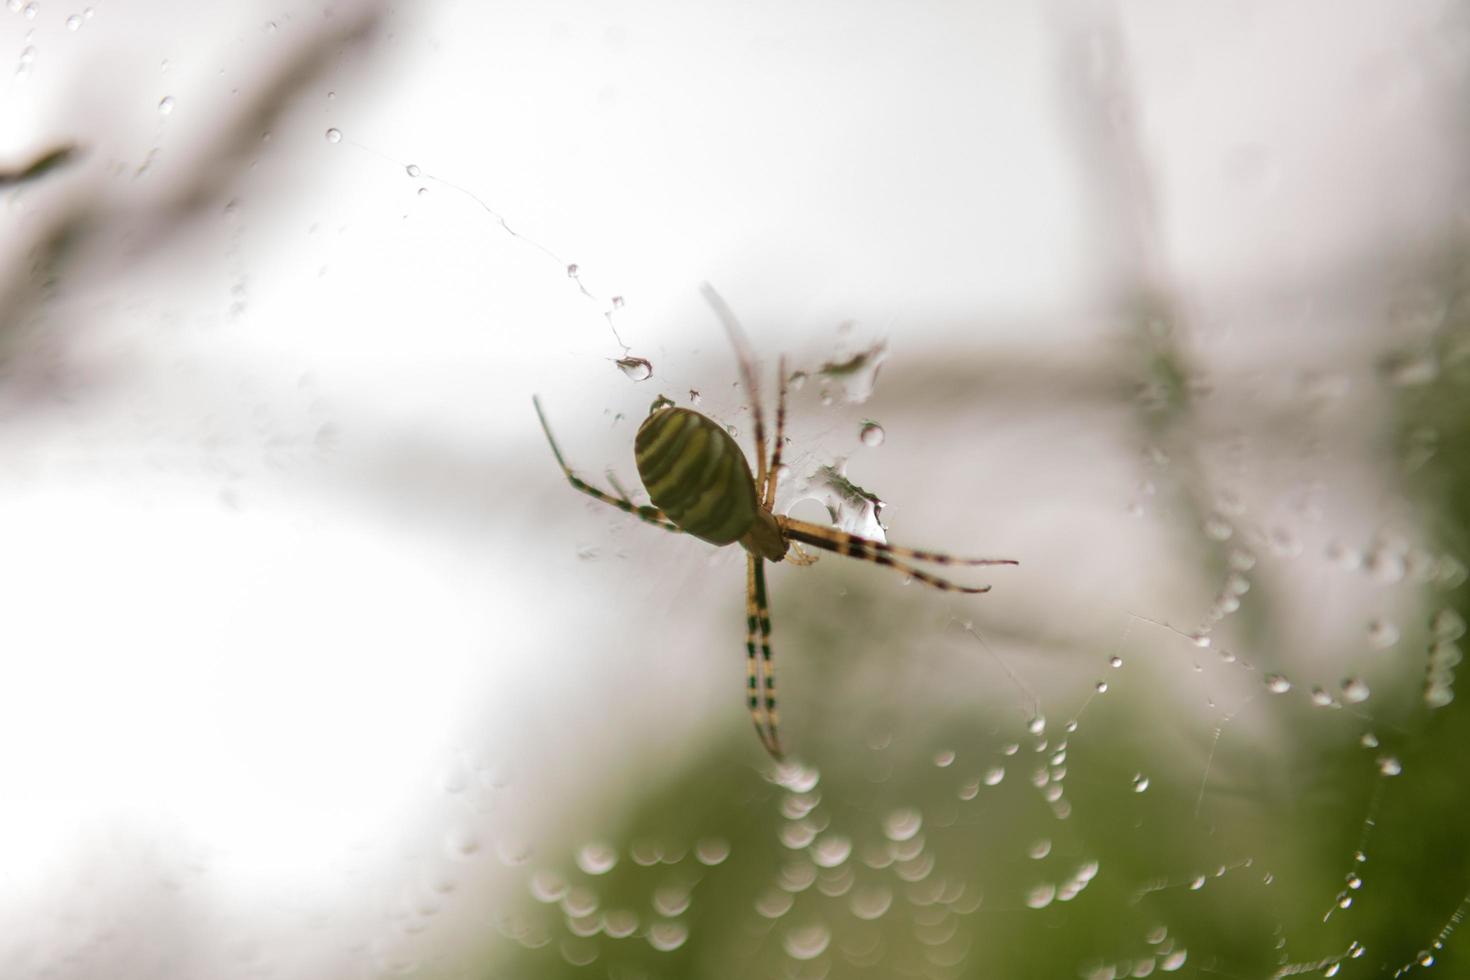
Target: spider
700 484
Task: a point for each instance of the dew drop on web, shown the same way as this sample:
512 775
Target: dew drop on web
636 368
856 373
806 942
850 507
597 858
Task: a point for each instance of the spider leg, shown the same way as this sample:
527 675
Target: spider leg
768 667
867 544
747 375
770 494
879 553
754 669
650 515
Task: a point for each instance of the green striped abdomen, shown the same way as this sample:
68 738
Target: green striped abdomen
696 474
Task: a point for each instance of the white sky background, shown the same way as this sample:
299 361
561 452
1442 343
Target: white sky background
290 581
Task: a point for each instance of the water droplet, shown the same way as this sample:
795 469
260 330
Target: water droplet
671 900
1354 690
572 271
1277 683
807 942
1426 959
617 302
774 903
1369 740
1321 698
712 851
334 135
413 170
1115 662
636 368
902 825
994 775
1039 849
1217 528
667 936
1389 765
831 851
74 22
851 508
1332 970
513 852
1140 782
1101 687
872 434
462 843
1036 725
1447 624
1386 566
547 886
1200 640
1173 961
944 758
1354 882
869 902
797 834
165 105
1382 634
597 858
579 901
796 777
619 923
858 373
1041 896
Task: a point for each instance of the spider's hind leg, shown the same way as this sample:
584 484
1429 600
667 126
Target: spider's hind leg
649 515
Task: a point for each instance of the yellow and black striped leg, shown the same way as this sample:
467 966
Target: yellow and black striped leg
768 667
747 375
754 675
760 677
649 515
769 497
880 553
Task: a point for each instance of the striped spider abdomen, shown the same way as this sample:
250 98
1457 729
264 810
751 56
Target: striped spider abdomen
695 473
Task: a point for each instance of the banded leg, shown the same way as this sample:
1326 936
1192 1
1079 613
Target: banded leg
650 515
755 676
763 693
769 499
880 553
747 375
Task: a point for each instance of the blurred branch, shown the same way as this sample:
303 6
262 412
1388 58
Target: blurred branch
88 214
